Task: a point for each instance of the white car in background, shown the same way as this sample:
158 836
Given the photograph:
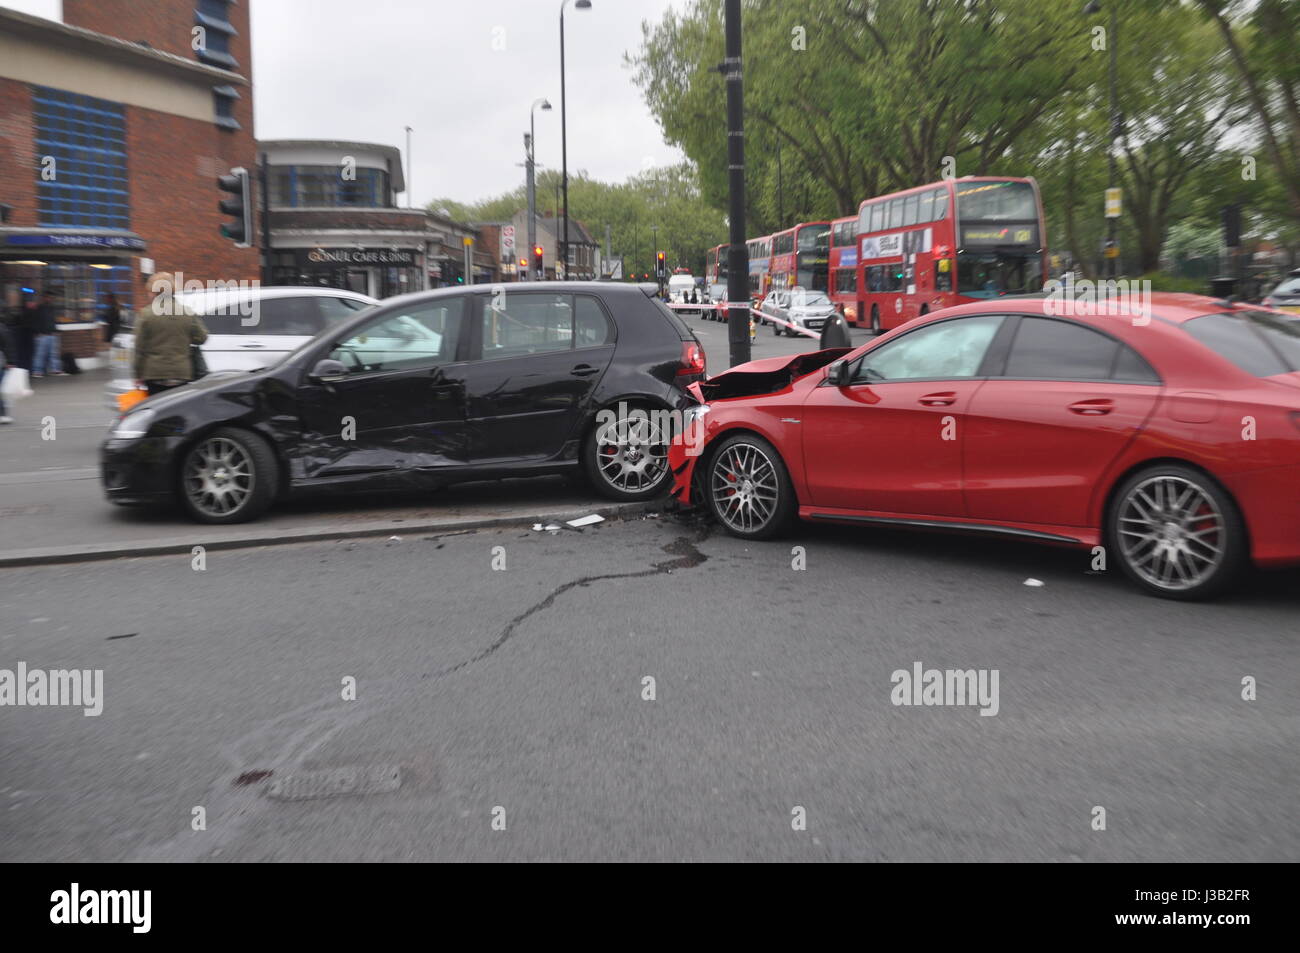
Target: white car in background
249 328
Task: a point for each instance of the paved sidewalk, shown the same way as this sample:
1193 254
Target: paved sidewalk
53 510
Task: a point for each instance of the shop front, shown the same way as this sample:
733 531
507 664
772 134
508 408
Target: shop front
80 268
378 272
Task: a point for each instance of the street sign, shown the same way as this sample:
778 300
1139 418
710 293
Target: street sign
467 241
1113 203
1112 251
507 242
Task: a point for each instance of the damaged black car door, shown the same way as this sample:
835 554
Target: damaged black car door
389 395
538 357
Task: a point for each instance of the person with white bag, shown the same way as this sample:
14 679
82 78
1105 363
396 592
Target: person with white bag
13 379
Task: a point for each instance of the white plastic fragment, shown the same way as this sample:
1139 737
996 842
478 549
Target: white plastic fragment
585 521
1035 582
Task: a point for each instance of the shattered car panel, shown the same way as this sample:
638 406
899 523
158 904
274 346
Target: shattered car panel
766 376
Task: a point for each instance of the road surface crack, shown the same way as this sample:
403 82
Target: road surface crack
683 549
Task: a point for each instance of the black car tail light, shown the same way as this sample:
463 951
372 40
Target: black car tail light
692 359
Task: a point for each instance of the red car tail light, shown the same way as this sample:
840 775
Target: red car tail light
692 359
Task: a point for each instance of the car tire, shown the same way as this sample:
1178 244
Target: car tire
228 476
875 320
755 463
1176 533
627 459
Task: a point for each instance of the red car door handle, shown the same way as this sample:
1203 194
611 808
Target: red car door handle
1092 408
943 399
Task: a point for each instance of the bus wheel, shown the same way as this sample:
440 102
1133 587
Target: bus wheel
875 320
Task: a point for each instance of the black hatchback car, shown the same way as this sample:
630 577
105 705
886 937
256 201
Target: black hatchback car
421 391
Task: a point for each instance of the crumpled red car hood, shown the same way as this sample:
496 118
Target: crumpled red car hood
765 376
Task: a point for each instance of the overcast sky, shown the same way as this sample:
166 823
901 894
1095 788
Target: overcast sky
366 69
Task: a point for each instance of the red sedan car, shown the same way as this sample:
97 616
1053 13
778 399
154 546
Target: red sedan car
1171 438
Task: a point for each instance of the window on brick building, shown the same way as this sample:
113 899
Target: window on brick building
224 98
214 17
306 186
81 161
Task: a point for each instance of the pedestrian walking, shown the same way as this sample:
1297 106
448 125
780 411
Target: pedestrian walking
112 318
45 345
164 334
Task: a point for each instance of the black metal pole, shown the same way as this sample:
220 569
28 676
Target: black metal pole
737 252
564 154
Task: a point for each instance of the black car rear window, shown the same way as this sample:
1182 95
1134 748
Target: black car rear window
1259 342
683 330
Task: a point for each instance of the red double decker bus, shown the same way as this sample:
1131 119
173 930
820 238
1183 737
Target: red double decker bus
942 244
760 260
842 281
801 256
715 265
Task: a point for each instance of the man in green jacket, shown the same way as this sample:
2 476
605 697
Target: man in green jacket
163 336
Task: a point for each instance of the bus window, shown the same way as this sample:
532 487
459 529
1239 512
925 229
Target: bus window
896 212
927 208
909 209
940 204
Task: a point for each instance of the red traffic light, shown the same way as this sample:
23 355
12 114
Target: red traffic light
537 250
661 256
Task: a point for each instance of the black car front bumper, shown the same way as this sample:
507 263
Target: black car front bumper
139 472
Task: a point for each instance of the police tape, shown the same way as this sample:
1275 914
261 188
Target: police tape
724 305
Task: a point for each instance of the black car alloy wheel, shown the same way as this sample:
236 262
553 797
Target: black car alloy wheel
627 458
229 476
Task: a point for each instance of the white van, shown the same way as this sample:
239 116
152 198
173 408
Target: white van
679 286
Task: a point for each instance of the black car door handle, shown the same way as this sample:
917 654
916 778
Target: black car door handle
584 370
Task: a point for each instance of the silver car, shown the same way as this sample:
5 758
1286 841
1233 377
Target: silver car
798 307
249 328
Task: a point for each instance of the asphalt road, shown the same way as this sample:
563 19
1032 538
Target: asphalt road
522 689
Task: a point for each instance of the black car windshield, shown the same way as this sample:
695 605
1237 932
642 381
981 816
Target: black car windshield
1262 343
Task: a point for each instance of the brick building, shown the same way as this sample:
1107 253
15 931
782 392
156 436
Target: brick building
114 126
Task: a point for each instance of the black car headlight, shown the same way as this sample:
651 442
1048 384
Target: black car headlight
132 426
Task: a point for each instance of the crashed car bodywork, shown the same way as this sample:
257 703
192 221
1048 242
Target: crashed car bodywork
771 376
422 427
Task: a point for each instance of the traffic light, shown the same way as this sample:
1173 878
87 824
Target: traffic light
523 268
661 266
538 265
239 205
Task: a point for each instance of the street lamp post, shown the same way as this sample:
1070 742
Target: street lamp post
1116 125
409 171
532 170
564 137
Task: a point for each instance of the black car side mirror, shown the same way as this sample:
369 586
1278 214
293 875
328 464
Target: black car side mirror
327 370
837 373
